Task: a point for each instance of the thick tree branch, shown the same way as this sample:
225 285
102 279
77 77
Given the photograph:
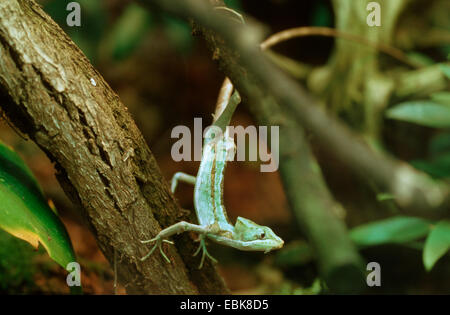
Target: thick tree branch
413 190
51 92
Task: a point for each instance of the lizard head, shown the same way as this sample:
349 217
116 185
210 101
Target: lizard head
256 237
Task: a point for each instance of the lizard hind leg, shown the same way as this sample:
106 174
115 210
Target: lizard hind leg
202 246
158 243
176 228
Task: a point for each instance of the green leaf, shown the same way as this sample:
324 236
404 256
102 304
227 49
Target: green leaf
425 113
431 168
395 230
179 33
438 166
94 24
322 15
295 253
437 244
441 97
385 196
420 59
25 213
234 4
440 144
128 32
445 69
297 69
16 265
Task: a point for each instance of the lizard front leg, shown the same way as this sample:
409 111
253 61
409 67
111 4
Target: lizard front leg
178 228
182 177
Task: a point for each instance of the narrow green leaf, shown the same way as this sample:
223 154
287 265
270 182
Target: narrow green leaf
234 4
437 244
420 59
297 69
16 265
441 98
427 167
128 32
425 113
445 69
179 33
385 196
440 144
295 253
397 230
25 213
438 166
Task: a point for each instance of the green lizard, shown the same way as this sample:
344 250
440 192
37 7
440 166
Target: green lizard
208 198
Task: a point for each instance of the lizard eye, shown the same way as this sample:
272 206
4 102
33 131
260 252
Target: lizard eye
262 236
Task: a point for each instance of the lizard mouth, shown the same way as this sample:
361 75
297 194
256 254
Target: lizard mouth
278 244
269 245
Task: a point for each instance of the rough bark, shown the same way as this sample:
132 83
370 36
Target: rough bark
50 91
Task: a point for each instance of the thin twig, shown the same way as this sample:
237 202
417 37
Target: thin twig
331 32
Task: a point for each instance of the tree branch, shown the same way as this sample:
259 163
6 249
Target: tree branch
51 92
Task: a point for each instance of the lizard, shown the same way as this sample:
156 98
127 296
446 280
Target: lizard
246 235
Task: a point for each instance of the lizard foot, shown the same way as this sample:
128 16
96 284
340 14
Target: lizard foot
204 253
158 243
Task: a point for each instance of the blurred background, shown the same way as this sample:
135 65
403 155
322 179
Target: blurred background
166 77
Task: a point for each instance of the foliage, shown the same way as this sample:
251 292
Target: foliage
394 230
104 37
401 230
437 244
446 70
426 113
434 113
128 32
93 26
16 265
25 213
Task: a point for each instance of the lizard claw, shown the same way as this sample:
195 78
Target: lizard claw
205 252
158 242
